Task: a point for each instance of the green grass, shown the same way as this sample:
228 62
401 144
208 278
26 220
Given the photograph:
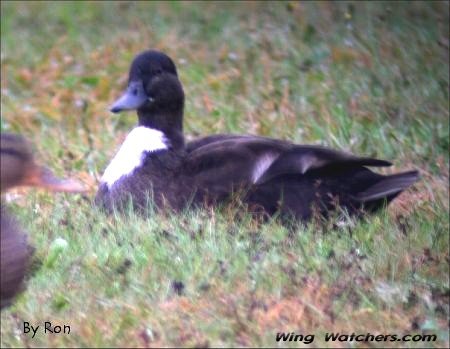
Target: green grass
370 78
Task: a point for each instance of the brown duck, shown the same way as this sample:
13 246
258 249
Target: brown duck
18 168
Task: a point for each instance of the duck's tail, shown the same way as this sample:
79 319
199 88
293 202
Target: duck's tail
387 188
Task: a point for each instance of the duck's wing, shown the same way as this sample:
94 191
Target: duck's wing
254 160
302 159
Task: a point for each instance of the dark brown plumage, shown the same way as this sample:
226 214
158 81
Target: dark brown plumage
14 257
271 175
18 168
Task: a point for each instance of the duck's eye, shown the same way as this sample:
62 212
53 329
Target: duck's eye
158 71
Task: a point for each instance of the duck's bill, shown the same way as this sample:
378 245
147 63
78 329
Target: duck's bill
44 178
133 98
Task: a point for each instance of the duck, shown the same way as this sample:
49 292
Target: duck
18 168
156 167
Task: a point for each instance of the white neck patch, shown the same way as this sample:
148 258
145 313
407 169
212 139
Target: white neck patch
130 155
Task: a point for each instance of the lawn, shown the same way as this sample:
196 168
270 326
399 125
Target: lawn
371 78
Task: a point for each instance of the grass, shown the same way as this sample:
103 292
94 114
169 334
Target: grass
370 78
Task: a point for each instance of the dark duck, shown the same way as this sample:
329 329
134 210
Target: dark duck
155 166
18 168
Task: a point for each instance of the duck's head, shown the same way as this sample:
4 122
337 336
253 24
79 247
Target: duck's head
155 91
18 168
